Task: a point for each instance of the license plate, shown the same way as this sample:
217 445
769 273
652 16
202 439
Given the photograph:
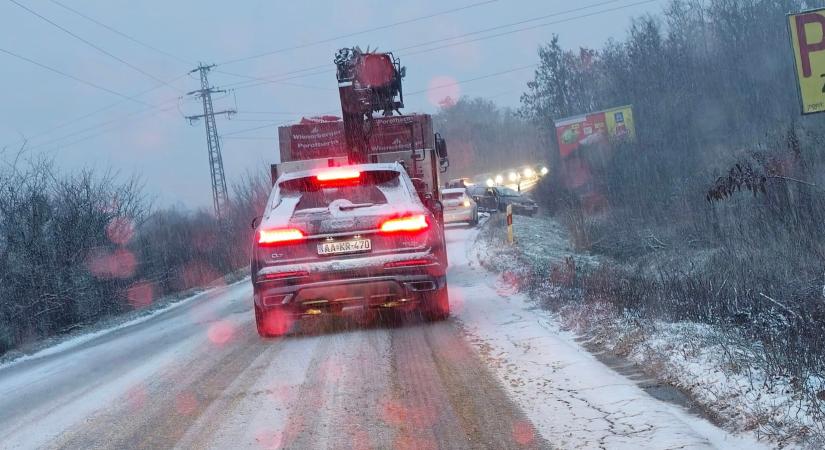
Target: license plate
343 247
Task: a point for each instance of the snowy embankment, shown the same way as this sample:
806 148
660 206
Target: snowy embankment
718 369
82 335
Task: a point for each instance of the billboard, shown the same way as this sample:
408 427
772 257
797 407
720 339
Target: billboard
595 128
324 137
807 33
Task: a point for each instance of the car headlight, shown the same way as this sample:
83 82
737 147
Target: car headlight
466 203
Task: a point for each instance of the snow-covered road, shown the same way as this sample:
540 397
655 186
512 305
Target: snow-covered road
497 375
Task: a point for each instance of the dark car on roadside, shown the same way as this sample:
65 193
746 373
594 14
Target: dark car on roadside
496 199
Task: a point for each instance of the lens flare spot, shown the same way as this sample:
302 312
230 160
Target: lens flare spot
198 274
277 322
407 441
118 264
394 412
507 284
443 91
523 433
140 295
270 439
136 397
120 230
221 332
283 393
456 301
186 403
331 370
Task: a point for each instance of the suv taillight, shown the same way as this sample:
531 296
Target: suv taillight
408 224
280 236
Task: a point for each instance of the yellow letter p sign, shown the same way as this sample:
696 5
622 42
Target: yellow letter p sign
807 30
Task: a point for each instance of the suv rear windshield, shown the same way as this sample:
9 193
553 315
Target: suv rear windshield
369 189
452 195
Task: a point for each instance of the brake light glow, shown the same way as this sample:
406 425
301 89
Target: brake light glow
339 175
409 263
410 223
282 275
280 236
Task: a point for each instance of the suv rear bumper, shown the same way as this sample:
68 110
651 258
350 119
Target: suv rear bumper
329 288
339 296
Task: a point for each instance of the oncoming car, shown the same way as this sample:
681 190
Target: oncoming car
346 240
459 207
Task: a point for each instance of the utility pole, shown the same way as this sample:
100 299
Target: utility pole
220 194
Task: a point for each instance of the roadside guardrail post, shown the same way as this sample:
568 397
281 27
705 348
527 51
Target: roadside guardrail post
510 224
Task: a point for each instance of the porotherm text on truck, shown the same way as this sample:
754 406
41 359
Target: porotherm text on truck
324 137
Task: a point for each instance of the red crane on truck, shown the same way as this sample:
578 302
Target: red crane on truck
369 83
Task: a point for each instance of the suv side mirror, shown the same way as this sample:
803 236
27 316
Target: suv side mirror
436 207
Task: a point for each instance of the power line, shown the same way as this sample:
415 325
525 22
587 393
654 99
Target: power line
265 80
72 77
100 110
252 120
533 27
254 78
250 138
512 24
122 34
281 113
470 80
382 27
300 71
273 124
94 46
325 69
239 86
134 117
103 124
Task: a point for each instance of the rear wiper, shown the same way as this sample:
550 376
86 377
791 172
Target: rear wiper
355 206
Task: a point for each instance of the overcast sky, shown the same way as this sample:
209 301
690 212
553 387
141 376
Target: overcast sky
146 134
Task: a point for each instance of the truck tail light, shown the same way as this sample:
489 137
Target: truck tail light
280 236
405 224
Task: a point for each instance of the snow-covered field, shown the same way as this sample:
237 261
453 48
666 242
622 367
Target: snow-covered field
573 399
693 357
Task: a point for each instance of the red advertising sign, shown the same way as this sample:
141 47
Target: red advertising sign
582 130
594 128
